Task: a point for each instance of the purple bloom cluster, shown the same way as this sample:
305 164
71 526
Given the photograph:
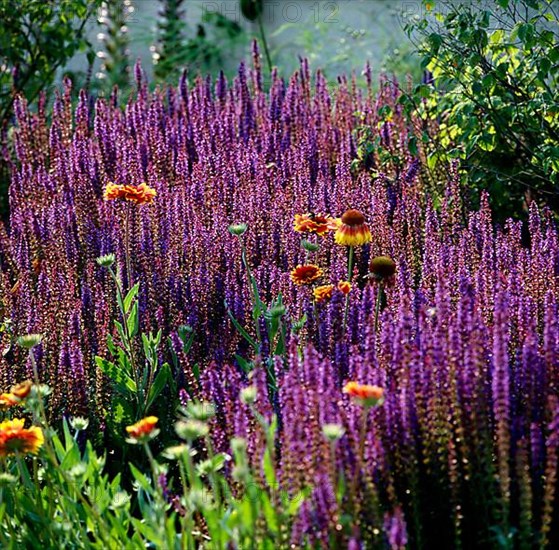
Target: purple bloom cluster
465 447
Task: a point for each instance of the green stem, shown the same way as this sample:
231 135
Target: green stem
128 345
360 455
253 297
159 498
127 246
214 481
265 43
104 533
378 302
349 277
187 541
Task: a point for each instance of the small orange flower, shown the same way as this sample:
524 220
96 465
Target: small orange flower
140 194
306 274
8 400
143 428
314 223
344 287
352 229
22 389
364 394
15 438
322 293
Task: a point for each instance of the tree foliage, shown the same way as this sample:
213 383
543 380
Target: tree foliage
492 85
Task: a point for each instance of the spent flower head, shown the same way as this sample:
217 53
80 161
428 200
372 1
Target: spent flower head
382 269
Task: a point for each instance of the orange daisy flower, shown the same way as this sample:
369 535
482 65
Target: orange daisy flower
22 389
143 428
344 287
15 438
314 223
140 194
322 293
306 274
8 400
364 394
352 229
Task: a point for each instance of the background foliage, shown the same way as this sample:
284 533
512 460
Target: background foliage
492 87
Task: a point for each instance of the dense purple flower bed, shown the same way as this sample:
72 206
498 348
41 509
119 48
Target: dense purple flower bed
464 447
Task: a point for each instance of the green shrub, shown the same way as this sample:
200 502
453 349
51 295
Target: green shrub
492 86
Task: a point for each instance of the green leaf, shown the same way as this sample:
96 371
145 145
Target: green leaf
243 363
186 335
159 383
123 383
294 503
269 514
130 296
142 480
133 321
269 469
241 330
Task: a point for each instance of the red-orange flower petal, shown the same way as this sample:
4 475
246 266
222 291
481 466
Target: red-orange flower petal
22 389
306 274
15 438
8 400
352 229
323 292
143 427
344 287
314 223
365 394
139 194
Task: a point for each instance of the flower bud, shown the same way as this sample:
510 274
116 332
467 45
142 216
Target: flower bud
106 261
309 246
277 311
333 432
79 423
175 452
238 445
191 429
199 410
29 341
237 229
248 395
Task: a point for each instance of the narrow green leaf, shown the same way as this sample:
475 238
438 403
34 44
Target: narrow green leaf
159 384
242 331
123 383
